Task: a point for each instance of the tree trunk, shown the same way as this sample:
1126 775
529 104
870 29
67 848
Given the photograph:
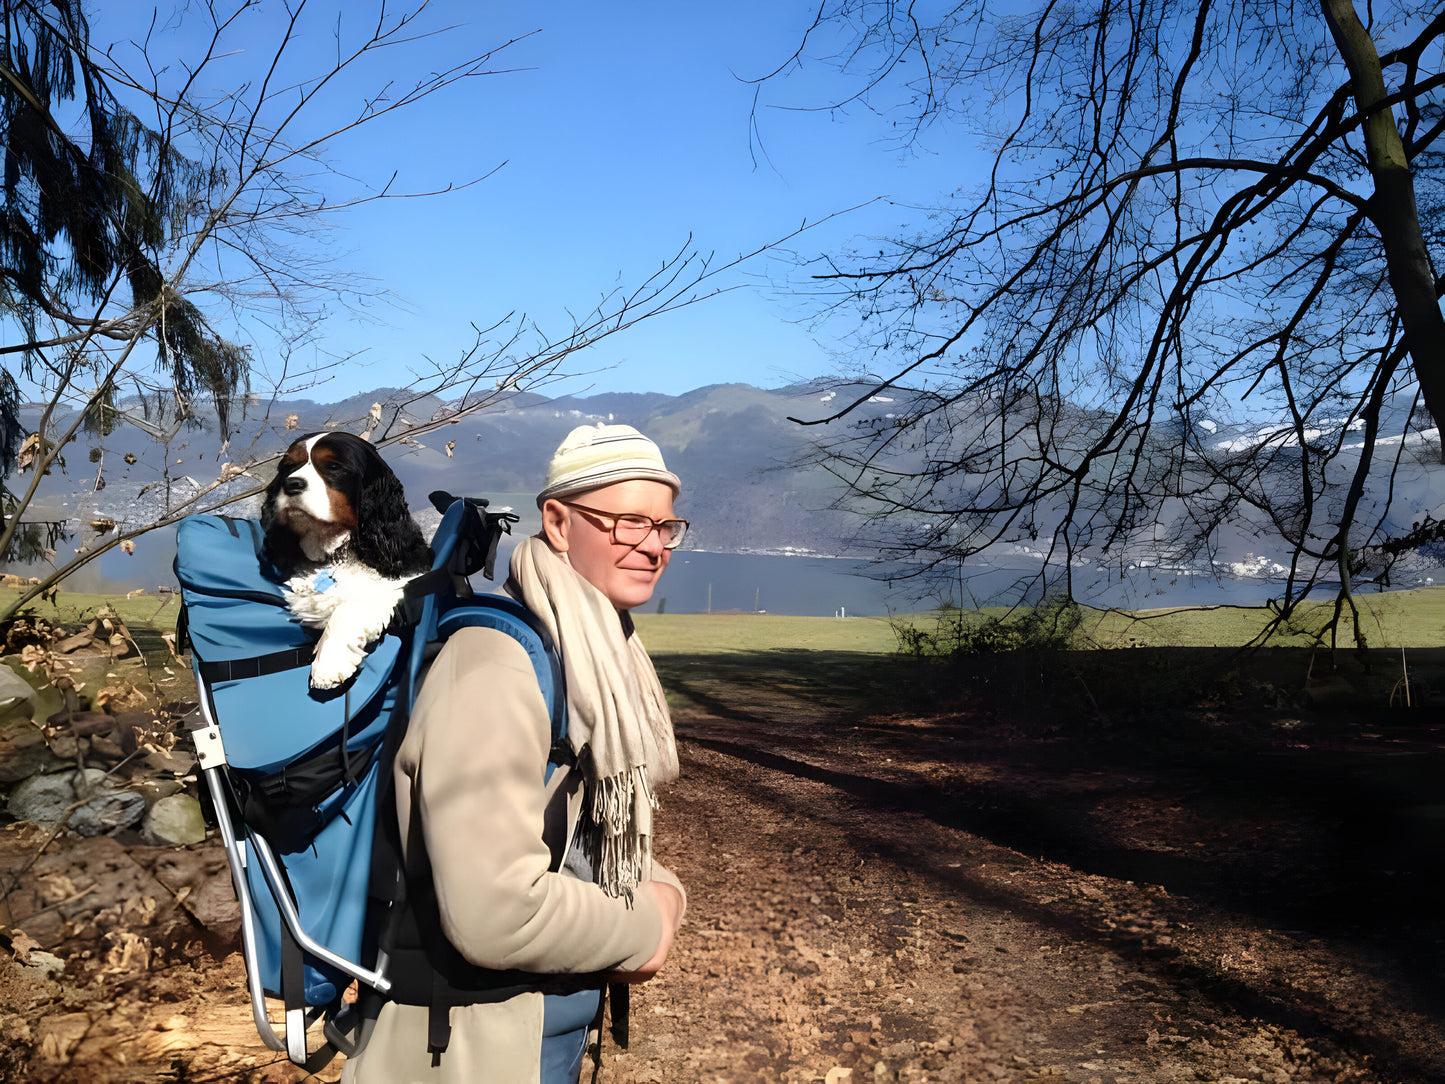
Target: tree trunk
1393 208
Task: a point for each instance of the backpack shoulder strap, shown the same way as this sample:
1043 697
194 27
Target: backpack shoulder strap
425 969
507 615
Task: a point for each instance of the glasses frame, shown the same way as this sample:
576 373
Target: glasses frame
617 517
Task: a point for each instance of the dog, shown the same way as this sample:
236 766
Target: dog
338 530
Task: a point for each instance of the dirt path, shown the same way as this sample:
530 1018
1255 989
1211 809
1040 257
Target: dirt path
910 899
847 924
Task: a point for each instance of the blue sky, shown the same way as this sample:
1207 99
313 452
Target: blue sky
624 129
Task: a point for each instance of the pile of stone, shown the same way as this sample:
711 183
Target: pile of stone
106 634
113 898
91 762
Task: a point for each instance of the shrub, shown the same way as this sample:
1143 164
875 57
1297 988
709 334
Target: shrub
1052 625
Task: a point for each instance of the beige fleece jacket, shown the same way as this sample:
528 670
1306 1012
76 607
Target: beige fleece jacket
470 786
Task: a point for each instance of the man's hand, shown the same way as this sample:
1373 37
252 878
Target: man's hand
669 906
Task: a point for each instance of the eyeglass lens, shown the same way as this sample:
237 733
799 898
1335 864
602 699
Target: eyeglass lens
630 530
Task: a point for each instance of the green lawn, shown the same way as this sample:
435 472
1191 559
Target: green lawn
1412 618
706 634
1409 618
74 608
851 665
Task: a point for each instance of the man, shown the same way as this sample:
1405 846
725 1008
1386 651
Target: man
474 811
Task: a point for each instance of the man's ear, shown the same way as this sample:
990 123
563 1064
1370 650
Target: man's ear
556 524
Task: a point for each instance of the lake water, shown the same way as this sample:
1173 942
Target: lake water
697 582
694 582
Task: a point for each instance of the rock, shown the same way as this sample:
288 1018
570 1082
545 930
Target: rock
24 752
45 799
105 635
108 811
73 643
46 963
17 698
106 749
177 762
153 790
108 807
86 723
175 819
67 747
83 723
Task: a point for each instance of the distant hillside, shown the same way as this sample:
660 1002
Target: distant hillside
730 443
738 455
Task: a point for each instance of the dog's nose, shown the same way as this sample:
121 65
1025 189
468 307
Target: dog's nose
294 486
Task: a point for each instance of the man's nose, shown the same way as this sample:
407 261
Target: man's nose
652 544
294 486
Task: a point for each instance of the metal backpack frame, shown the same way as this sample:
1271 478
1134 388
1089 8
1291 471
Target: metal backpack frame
437 604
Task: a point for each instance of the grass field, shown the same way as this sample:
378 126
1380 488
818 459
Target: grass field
1392 619
76 608
707 634
853 665
1409 618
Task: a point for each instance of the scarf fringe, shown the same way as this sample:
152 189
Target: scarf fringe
617 720
619 835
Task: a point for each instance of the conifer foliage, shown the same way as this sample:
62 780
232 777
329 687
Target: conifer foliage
90 197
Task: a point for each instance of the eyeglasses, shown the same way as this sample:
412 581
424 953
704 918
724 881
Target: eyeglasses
632 529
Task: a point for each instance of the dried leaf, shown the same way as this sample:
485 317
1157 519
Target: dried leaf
21 943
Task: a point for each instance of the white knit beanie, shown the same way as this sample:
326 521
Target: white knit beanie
593 456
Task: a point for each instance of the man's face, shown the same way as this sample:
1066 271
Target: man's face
626 574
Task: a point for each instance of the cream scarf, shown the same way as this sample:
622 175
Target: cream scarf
616 712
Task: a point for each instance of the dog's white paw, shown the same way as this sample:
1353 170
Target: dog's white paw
329 677
334 663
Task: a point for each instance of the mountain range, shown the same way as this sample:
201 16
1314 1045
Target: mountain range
746 489
730 443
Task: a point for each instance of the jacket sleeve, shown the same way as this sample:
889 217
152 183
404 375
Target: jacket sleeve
665 876
470 786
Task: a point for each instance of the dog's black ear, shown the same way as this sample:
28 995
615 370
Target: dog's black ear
280 546
386 537
268 507
273 490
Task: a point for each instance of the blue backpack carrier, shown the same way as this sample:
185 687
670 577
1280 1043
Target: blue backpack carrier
300 778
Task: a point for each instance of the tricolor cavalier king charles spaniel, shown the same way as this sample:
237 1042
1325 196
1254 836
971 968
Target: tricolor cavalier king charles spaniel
337 526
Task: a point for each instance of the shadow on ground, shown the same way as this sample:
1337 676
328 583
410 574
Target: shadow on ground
1305 802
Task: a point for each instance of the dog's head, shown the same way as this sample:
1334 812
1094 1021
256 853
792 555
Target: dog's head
334 496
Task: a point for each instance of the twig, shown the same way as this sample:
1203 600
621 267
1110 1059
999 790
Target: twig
59 903
1404 665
